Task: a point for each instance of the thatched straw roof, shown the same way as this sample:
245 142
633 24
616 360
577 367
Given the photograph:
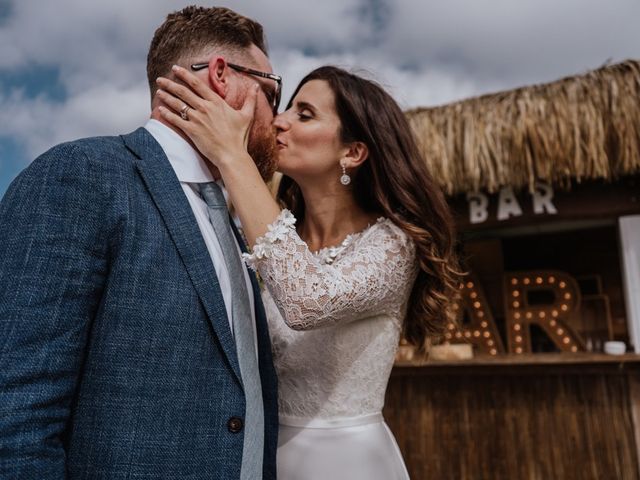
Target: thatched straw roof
580 127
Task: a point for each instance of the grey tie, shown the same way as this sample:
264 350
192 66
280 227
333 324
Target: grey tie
244 333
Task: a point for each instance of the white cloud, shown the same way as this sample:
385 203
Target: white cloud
425 52
323 26
426 86
516 42
39 124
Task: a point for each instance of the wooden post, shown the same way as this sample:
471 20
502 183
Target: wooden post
634 401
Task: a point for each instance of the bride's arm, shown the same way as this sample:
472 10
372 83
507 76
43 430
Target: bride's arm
220 133
376 277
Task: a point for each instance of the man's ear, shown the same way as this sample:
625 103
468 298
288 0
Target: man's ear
219 73
355 154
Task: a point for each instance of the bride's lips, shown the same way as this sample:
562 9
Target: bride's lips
280 143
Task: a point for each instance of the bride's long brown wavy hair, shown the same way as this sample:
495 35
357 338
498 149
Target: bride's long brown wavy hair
394 182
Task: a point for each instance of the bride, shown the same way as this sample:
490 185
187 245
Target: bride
361 252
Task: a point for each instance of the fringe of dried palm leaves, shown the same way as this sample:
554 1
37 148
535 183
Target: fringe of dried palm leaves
578 128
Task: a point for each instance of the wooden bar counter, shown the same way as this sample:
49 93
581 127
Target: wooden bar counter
538 416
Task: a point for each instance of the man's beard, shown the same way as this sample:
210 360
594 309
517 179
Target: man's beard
262 148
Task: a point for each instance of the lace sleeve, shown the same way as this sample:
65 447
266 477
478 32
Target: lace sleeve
372 278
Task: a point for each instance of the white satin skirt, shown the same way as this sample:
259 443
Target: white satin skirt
359 448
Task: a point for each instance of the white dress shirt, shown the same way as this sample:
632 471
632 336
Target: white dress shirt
191 169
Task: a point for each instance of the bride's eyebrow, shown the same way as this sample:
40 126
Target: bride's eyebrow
303 105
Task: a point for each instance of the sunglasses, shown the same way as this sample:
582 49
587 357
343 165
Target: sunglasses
273 96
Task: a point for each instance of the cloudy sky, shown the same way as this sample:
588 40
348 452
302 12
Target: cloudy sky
76 68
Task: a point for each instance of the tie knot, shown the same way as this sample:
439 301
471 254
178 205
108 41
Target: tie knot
212 195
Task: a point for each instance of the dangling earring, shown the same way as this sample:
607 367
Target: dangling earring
344 179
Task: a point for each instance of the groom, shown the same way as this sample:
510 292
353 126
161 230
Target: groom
133 344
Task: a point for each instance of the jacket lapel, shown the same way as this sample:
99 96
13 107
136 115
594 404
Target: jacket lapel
169 198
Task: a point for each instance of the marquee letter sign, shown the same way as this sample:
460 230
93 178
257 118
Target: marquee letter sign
481 331
551 316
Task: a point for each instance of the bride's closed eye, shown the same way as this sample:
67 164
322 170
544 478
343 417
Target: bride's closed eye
304 116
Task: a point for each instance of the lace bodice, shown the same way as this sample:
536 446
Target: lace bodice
335 316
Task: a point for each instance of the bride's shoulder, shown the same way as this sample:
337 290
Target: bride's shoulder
385 232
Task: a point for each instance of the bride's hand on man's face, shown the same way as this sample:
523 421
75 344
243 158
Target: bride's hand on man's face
219 131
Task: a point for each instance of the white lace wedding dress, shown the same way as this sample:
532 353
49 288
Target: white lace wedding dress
335 318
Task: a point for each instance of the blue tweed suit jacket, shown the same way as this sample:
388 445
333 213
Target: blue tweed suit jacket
116 357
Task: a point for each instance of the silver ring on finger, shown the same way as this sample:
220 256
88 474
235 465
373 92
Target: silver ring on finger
184 112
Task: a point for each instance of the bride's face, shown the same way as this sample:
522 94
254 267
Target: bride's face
308 140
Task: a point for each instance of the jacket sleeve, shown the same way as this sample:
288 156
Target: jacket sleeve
53 265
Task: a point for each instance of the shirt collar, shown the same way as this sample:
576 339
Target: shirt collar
188 164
